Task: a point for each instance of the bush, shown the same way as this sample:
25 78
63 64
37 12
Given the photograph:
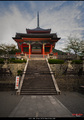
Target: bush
13 60
55 61
1 61
76 62
19 72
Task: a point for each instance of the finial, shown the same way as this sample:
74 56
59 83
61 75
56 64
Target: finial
37 19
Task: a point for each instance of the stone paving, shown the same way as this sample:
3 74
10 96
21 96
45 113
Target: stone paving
40 106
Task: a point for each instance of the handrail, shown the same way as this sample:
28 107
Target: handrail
22 78
54 80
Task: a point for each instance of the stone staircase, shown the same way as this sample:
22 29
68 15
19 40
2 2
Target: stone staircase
37 56
38 80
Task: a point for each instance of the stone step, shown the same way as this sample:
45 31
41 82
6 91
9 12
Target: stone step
38 93
35 58
47 87
38 80
43 87
38 89
39 85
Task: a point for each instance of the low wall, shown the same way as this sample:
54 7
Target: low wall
70 82
77 67
58 69
67 82
15 67
7 82
7 86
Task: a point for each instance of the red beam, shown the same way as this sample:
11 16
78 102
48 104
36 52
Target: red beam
36 39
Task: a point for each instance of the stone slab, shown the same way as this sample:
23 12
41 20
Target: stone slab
40 106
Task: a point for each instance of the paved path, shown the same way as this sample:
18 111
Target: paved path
40 106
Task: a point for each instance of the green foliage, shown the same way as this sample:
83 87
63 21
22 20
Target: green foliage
13 51
59 52
19 72
75 45
76 62
13 60
55 61
8 49
2 52
1 61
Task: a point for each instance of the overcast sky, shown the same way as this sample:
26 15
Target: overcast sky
63 17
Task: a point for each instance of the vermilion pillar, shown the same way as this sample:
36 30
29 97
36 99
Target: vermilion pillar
22 48
29 50
51 49
43 50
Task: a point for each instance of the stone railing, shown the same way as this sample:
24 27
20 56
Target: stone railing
22 78
53 78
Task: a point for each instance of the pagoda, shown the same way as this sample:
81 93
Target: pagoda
36 41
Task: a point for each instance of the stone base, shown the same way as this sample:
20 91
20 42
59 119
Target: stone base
70 82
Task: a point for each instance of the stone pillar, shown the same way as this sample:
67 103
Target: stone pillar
69 65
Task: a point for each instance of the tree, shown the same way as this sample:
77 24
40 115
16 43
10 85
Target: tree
8 49
82 48
75 45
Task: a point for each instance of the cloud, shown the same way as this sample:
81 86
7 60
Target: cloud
11 23
64 18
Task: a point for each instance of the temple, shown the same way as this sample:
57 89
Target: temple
36 41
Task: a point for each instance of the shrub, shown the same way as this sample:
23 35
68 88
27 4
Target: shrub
19 72
76 62
1 61
13 60
55 61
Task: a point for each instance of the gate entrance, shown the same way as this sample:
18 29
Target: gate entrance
36 49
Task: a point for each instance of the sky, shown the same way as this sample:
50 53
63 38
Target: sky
65 18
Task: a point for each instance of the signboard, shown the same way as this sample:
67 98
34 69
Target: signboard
17 82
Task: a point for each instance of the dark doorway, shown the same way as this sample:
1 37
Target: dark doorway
36 49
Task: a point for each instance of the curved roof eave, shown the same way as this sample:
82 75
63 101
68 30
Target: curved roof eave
38 29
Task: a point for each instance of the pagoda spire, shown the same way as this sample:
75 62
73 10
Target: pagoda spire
37 19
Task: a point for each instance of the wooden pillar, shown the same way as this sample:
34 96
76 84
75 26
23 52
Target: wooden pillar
22 48
43 50
29 50
51 49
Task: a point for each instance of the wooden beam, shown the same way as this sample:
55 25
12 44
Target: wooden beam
36 39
